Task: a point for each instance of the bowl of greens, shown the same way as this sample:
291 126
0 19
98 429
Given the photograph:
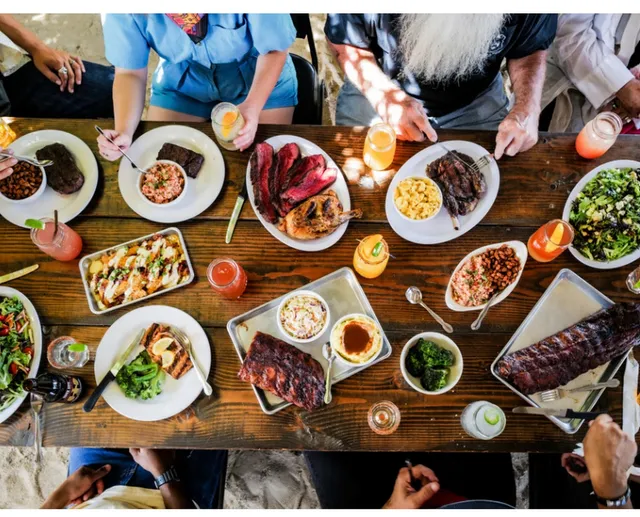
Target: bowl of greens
431 363
141 378
604 209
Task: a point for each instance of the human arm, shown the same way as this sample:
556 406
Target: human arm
79 487
405 496
47 60
157 462
518 132
6 164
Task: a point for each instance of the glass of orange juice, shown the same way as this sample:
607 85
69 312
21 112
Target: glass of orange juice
597 137
7 135
550 240
371 256
227 121
380 147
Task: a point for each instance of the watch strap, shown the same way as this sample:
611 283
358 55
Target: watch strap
166 477
615 503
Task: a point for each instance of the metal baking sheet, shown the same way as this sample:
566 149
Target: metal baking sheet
566 301
343 293
86 262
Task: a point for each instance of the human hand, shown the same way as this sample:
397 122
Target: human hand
569 462
406 116
247 134
518 132
50 62
80 486
155 461
629 96
6 164
405 497
110 151
609 453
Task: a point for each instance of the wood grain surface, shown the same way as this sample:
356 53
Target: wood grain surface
533 189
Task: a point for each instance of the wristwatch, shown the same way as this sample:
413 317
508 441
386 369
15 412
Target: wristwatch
167 477
614 503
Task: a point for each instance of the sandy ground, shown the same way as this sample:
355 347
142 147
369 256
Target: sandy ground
273 479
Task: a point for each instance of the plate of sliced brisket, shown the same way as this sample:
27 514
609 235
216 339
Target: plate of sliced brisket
298 193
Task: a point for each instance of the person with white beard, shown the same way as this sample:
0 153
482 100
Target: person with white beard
422 72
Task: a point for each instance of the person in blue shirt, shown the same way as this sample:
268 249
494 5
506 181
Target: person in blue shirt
204 59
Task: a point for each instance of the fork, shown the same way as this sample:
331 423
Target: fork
36 406
43 163
558 393
477 165
186 343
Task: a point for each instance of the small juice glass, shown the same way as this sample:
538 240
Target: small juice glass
597 137
227 121
371 256
227 278
65 245
383 417
550 240
379 147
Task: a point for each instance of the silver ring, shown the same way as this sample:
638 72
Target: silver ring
63 70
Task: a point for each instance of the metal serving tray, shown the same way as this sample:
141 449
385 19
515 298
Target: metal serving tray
343 293
565 302
86 262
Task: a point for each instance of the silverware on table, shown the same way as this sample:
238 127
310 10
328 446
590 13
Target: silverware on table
560 413
111 374
478 322
32 161
242 197
558 393
36 406
328 354
476 166
186 343
17 274
99 130
414 295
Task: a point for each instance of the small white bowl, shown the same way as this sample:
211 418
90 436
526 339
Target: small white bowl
303 293
521 251
170 203
345 361
418 220
30 199
441 340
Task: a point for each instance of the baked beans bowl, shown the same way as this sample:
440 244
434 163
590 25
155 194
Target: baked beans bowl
483 272
25 185
163 185
417 199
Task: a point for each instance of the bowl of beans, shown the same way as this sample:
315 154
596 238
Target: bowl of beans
25 185
163 184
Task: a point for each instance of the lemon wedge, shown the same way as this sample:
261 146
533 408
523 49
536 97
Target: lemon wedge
556 236
167 358
161 345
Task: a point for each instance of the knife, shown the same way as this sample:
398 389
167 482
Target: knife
18 274
242 197
560 413
111 374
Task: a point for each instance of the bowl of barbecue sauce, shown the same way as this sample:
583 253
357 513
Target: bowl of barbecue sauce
356 340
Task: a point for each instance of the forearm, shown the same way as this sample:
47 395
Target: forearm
268 69
56 501
129 87
18 34
527 79
174 496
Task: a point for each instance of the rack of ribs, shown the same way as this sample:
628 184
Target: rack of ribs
560 358
285 371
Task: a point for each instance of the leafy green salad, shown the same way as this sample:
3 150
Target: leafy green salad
606 215
430 363
16 349
141 378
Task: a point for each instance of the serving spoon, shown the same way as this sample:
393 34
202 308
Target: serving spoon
32 161
329 356
99 130
414 295
476 324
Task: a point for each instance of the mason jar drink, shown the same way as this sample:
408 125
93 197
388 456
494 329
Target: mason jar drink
227 121
483 420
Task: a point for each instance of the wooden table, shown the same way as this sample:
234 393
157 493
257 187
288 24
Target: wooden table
533 190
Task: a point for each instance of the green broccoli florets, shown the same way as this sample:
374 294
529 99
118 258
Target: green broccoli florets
434 379
434 356
142 378
414 362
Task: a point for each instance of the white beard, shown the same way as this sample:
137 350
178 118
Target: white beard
441 47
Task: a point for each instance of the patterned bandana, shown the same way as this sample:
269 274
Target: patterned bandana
193 24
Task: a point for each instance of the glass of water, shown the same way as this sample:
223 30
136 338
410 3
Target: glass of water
66 352
483 420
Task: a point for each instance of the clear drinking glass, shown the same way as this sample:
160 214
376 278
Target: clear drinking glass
633 281
63 245
483 420
597 137
60 355
227 121
379 147
384 417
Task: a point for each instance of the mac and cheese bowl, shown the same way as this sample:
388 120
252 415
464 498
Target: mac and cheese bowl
417 198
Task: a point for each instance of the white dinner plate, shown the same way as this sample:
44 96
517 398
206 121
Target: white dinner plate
339 187
176 395
614 264
522 253
67 205
37 346
201 191
440 229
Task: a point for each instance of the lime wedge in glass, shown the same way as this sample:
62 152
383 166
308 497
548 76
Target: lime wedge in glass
637 284
36 224
491 416
77 347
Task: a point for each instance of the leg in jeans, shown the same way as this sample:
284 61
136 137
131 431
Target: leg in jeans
353 108
32 95
124 471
